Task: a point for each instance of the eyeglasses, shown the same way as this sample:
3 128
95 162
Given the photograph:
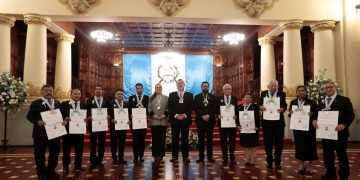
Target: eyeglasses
328 87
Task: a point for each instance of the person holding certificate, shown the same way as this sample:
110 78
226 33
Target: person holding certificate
139 101
272 103
118 137
158 112
180 106
205 108
333 102
97 113
44 104
305 141
69 140
249 117
227 111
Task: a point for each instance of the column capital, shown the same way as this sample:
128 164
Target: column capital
291 24
37 19
9 20
267 40
64 37
323 25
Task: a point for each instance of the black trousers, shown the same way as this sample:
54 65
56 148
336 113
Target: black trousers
273 134
39 153
158 136
97 139
340 146
68 141
205 129
226 133
117 139
176 129
138 144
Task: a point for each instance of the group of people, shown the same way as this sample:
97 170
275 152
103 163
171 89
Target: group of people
177 109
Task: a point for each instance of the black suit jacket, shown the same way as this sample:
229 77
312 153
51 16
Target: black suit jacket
255 108
65 110
175 107
283 105
92 104
234 102
346 113
112 106
313 109
133 102
34 116
201 109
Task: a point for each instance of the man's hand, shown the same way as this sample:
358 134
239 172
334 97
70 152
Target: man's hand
262 108
314 123
64 123
290 112
113 121
340 127
281 110
41 123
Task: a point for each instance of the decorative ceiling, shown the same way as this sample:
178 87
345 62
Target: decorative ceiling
134 35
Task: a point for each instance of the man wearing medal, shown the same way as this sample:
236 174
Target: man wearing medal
205 107
139 100
229 101
117 137
336 102
180 107
273 130
76 140
45 103
97 139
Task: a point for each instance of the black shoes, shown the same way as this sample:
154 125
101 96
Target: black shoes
211 160
328 176
200 160
186 160
80 168
66 170
173 159
121 161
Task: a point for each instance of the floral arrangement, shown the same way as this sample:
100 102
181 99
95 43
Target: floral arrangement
314 87
12 92
193 139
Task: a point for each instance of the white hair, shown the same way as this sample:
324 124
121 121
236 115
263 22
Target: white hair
273 81
226 85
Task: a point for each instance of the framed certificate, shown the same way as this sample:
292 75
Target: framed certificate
76 123
300 118
139 120
227 114
53 120
122 119
99 119
271 106
247 121
327 122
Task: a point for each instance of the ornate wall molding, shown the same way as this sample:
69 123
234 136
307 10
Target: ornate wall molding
80 6
37 19
323 25
254 7
64 37
33 91
267 40
169 7
291 24
290 92
4 19
60 94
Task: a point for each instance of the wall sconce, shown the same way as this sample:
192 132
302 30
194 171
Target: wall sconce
218 67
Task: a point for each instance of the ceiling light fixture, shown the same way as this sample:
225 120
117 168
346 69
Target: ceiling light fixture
233 38
101 36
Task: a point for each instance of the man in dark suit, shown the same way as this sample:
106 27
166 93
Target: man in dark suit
335 102
229 101
96 138
45 103
72 139
273 130
205 107
138 135
180 108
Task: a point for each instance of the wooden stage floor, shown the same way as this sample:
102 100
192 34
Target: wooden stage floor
18 163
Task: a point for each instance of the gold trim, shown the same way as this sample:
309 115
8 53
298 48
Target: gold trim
9 20
32 18
80 6
33 92
267 40
323 25
290 92
60 94
64 37
254 8
291 24
169 7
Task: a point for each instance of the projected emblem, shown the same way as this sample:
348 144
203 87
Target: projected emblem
167 73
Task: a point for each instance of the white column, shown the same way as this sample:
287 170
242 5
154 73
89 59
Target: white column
6 22
267 71
36 50
324 54
63 65
292 61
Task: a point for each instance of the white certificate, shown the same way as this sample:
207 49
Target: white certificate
227 114
300 118
327 122
122 119
99 119
247 122
77 124
139 118
271 106
53 120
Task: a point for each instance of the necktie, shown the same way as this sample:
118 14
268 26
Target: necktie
227 100
76 104
328 100
99 101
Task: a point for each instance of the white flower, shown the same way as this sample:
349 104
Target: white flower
4 108
93 101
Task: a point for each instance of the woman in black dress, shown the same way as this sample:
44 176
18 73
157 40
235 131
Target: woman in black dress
249 140
305 141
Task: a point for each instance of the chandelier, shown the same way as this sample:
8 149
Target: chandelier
101 36
233 38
